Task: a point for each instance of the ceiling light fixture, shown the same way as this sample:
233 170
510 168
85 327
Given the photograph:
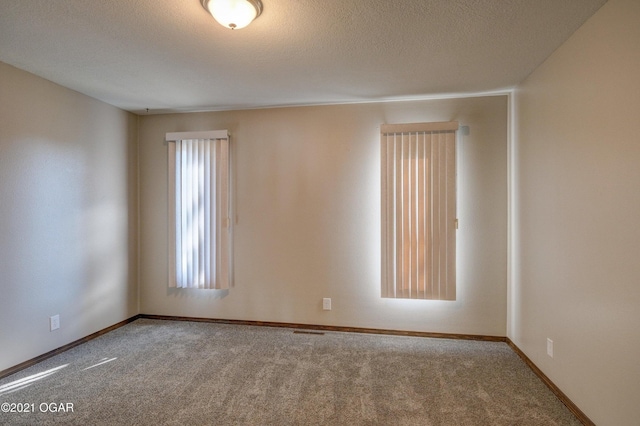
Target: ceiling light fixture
234 14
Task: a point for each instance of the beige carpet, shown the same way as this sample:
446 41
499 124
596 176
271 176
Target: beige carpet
153 372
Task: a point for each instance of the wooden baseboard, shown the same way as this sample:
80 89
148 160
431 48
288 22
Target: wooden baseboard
331 328
556 390
33 361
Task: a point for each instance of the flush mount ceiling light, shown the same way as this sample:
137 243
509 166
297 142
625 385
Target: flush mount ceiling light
234 14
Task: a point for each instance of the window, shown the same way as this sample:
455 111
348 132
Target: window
419 210
199 224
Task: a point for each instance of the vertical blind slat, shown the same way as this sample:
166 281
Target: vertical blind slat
428 217
172 216
397 214
224 207
206 207
451 212
420 213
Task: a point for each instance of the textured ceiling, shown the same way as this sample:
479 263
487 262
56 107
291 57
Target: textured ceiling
171 55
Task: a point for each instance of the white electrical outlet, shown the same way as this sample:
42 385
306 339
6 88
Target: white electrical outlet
54 322
326 304
550 347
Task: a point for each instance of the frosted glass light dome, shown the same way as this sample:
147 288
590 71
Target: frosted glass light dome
234 14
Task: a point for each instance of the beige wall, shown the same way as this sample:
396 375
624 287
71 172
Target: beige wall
576 274
308 217
68 191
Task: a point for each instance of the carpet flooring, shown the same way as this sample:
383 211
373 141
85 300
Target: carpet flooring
155 372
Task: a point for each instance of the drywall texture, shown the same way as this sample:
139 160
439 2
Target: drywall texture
307 204
68 215
575 236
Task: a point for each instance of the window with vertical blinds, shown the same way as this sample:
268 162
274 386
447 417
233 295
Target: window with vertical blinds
419 210
199 217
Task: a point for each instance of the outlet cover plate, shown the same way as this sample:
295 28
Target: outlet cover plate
54 322
326 304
